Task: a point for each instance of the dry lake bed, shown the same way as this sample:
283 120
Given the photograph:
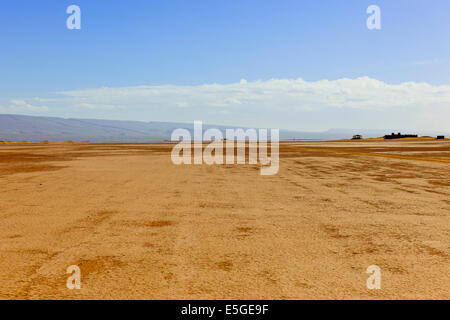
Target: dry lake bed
140 227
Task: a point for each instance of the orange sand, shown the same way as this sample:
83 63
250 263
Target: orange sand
140 227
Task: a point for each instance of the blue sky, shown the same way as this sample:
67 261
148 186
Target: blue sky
165 52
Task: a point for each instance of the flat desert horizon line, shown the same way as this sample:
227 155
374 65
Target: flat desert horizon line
14 127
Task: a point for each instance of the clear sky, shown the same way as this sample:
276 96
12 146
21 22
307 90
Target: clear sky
216 61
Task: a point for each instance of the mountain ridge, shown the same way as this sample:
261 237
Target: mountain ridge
15 127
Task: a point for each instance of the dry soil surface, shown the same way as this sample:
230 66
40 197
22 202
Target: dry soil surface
140 227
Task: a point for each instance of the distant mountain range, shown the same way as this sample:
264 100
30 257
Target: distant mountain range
35 129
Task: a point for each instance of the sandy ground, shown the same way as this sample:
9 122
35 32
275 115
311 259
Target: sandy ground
140 227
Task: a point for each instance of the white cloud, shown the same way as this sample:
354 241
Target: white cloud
275 94
21 105
285 103
425 62
93 106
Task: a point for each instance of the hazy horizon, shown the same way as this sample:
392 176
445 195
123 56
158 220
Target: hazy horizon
36 129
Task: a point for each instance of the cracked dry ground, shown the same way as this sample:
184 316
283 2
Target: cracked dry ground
140 227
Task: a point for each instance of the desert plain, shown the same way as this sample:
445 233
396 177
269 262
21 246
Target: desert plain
140 227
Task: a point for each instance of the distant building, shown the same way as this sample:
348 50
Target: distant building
400 136
441 137
357 137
